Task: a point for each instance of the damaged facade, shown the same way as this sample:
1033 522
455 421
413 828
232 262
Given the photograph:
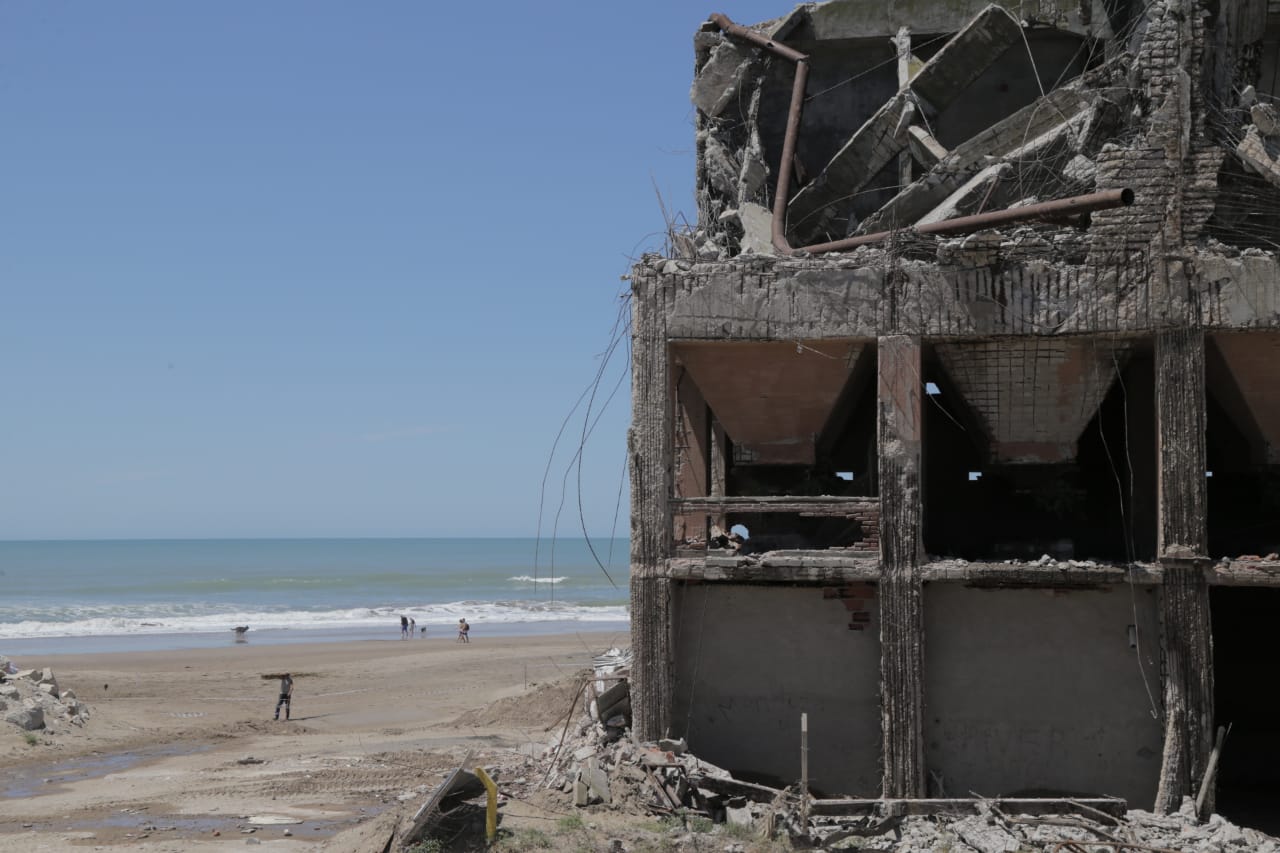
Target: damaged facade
967 443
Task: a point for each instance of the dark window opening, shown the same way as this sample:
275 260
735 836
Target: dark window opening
1099 505
1243 496
1246 694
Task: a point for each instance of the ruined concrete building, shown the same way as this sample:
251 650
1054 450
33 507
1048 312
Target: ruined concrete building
957 417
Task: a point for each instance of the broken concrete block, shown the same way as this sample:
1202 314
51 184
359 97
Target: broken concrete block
754 172
582 753
29 717
598 782
581 792
1260 157
676 747
720 166
1265 119
720 80
757 227
739 816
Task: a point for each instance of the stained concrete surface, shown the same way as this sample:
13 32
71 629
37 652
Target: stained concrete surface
751 659
1039 690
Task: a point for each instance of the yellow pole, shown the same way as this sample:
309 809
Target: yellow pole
491 805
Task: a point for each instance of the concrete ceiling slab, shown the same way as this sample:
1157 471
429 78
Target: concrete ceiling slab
1034 395
771 397
1251 359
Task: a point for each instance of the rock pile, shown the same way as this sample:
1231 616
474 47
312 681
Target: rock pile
31 700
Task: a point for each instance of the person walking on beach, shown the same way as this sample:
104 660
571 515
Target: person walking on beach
463 630
404 627
286 694
413 627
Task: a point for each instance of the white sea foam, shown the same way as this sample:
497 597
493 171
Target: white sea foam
532 579
180 619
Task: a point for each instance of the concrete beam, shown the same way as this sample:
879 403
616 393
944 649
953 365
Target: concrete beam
960 61
1018 131
926 150
971 196
847 19
899 436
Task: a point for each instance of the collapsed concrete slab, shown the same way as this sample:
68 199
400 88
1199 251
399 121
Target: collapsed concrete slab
961 61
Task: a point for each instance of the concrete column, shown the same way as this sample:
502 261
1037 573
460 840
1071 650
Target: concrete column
902 44
1186 630
1180 426
899 435
649 447
719 469
692 461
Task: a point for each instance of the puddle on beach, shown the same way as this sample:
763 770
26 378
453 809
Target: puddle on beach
142 824
40 779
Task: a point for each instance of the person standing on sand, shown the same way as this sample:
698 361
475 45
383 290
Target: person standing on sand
286 694
463 630
404 627
413 627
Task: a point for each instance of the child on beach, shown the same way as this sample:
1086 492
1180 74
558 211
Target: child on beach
463 630
413 627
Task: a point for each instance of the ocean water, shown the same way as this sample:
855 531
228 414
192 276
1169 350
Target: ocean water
77 596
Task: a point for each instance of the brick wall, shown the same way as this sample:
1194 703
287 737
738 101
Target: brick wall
859 599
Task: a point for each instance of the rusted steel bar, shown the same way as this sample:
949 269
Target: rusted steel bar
1049 210
723 22
1057 209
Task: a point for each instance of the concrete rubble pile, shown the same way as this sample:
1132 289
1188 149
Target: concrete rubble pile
31 700
662 778
596 759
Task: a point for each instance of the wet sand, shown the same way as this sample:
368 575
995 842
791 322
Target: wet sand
181 745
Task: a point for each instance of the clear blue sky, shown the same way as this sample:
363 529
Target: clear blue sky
314 268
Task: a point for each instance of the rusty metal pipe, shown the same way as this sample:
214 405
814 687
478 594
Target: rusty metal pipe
1056 209
723 22
1072 206
780 200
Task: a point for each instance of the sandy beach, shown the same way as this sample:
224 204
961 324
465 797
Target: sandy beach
180 751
